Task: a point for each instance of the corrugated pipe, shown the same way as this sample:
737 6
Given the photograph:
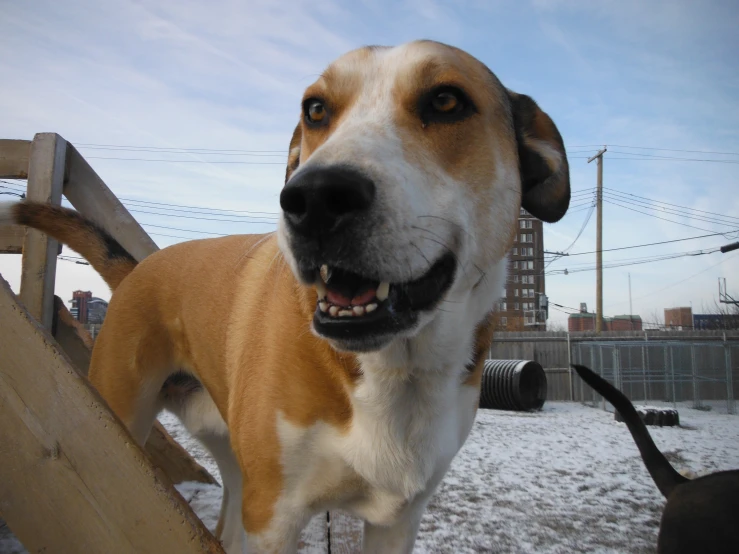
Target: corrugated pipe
513 385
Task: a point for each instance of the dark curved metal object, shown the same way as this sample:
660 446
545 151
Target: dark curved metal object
519 385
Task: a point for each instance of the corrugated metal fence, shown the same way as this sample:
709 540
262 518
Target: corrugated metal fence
700 367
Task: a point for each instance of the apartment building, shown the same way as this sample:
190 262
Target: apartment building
524 306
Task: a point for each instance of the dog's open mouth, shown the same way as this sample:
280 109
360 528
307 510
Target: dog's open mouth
353 308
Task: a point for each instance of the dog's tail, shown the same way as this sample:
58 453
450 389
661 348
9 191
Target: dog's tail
87 238
664 475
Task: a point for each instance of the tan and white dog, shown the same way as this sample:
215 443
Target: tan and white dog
337 362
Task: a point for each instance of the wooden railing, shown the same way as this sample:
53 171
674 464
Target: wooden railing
71 477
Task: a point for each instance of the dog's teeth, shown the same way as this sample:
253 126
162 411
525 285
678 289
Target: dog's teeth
323 306
325 273
333 310
320 290
370 307
345 313
358 310
383 291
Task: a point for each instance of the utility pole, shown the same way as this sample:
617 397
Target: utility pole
599 244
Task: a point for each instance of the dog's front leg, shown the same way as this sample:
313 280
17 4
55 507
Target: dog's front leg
280 536
399 537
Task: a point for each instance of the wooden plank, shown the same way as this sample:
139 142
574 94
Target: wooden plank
71 477
11 239
346 533
72 337
45 182
314 538
14 156
176 462
91 197
164 452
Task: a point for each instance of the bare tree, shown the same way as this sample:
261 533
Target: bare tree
655 320
556 326
718 317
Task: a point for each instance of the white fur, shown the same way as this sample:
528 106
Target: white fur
411 410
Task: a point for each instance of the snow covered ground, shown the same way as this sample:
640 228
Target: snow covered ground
567 479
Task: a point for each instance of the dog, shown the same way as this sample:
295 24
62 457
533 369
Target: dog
336 363
701 515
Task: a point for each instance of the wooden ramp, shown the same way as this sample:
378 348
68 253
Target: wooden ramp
71 477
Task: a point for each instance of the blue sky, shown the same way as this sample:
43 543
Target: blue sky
229 76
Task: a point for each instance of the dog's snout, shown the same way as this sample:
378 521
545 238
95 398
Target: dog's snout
323 200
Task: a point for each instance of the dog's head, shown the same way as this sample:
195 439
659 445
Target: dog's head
404 181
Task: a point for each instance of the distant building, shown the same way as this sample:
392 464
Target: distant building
716 322
88 309
581 322
623 323
585 321
524 306
96 310
679 318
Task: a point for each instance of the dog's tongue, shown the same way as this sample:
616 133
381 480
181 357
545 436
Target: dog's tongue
339 299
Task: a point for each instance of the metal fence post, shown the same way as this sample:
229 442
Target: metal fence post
730 408
582 386
644 371
696 384
602 373
672 376
569 368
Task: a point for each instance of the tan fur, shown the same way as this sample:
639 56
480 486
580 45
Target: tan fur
170 314
483 340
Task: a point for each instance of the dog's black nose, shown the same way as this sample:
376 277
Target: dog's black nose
323 200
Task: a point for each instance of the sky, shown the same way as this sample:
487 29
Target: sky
189 106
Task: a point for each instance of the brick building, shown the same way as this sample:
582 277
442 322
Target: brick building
679 318
88 309
585 321
524 306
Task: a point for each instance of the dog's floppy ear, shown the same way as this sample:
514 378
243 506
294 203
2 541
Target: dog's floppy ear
293 153
545 174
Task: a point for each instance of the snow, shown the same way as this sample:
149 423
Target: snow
564 480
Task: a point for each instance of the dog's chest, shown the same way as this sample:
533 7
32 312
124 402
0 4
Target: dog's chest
402 433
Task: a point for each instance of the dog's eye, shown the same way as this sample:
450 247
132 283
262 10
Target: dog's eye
315 111
445 104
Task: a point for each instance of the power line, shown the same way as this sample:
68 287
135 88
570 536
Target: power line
657 156
614 191
16 185
94 146
657 217
572 146
182 161
253 220
257 154
666 158
648 244
619 263
682 280
135 207
185 230
677 150
672 211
